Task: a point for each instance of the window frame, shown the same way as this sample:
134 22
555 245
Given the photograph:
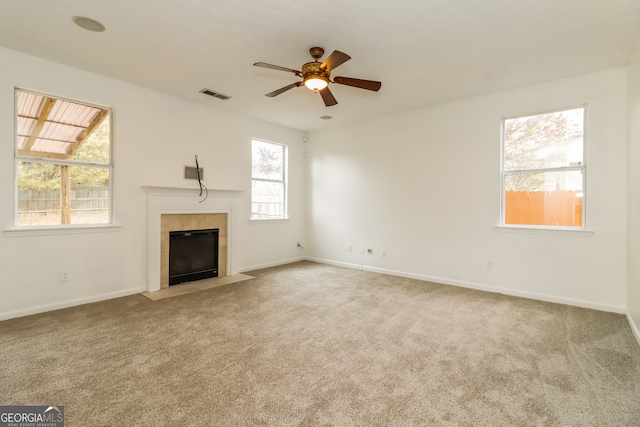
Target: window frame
17 159
284 181
582 167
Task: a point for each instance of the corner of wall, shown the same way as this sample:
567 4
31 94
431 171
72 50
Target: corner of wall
634 328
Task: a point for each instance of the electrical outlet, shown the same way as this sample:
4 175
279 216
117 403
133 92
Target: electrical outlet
361 249
489 265
64 275
383 252
370 251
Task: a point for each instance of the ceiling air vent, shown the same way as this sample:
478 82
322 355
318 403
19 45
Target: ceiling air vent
215 94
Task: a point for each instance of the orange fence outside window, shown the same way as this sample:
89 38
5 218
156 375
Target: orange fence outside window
557 208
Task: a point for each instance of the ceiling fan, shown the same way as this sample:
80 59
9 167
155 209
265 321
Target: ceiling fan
316 75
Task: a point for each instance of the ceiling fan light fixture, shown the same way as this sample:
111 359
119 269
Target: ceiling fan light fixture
315 82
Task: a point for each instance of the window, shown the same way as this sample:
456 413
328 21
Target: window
62 161
543 169
268 180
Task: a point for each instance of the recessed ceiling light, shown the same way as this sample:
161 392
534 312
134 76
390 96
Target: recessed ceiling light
326 117
88 24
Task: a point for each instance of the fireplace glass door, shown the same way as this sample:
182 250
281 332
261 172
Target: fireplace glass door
193 255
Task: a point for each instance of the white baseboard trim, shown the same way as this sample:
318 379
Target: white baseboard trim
634 327
270 264
69 303
478 286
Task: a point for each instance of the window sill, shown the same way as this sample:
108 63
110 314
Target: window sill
256 220
555 231
59 230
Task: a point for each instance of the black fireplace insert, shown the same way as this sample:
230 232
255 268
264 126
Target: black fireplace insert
193 255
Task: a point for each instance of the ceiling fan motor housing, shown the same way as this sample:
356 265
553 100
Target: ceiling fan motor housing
312 70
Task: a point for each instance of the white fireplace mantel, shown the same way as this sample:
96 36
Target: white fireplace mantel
178 200
188 192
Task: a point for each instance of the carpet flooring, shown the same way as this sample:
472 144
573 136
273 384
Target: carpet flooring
309 344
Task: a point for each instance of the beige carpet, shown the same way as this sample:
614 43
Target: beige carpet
316 345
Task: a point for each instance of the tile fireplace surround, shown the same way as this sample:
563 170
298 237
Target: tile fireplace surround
185 222
172 209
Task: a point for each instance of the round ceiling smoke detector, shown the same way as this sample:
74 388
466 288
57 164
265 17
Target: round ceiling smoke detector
88 24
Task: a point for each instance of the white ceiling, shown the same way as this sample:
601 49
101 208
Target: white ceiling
425 52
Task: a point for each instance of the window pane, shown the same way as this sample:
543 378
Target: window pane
40 199
267 200
267 161
95 149
50 127
90 198
549 198
38 194
544 140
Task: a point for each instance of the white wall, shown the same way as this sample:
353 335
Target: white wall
633 294
425 186
155 135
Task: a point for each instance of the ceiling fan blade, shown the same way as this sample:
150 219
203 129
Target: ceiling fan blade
283 89
359 83
277 67
334 60
328 97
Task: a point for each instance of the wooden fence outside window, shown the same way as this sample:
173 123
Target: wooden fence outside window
555 208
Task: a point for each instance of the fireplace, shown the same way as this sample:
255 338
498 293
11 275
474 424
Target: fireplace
193 255
176 223
181 209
